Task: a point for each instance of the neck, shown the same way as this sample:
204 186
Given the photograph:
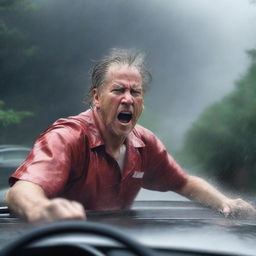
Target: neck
113 142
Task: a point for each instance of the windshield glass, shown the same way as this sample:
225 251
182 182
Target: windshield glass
201 101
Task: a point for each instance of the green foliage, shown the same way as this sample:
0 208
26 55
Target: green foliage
222 141
38 71
18 5
31 51
11 117
9 37
17 55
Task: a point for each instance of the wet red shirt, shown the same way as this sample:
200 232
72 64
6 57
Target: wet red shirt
69 160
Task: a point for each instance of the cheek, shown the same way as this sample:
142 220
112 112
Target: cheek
105 101
140 103
109 105
140 106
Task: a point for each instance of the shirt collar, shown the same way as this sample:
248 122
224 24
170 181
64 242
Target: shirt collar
134 140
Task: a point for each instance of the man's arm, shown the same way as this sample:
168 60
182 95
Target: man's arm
29 201
199 190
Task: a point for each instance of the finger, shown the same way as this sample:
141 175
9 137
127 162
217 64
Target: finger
64 209
73 210
241 208
79 208
226 211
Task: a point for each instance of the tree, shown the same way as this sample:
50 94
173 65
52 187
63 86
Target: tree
15 52
223 139
11 117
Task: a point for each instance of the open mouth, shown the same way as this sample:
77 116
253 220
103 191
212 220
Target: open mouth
124 117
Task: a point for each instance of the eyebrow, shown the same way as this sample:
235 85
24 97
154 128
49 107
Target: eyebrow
116 85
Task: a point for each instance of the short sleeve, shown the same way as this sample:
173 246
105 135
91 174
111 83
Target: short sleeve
48 164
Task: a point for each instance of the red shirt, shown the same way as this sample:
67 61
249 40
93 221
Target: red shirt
69 160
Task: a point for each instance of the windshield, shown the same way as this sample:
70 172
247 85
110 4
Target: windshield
201 102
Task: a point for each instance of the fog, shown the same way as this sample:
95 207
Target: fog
196 49
201 57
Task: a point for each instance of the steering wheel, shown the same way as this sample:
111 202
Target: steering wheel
69 227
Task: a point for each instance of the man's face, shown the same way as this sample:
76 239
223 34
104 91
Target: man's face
119 101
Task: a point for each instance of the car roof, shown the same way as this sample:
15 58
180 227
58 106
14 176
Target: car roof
13 147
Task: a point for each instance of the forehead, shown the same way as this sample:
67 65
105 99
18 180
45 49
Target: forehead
124 73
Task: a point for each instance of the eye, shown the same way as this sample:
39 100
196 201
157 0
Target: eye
135 92
118 90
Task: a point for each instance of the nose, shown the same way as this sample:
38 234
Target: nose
127 98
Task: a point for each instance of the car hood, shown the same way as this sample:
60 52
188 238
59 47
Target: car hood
184 225
176 225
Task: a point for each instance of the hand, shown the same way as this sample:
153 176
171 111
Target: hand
237 208
56 209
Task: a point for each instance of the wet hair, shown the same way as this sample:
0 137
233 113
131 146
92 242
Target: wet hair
116 56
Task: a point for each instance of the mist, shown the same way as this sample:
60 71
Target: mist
196 51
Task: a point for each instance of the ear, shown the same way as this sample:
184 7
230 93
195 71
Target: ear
95 97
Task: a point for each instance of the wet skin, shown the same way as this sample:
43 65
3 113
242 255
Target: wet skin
119 102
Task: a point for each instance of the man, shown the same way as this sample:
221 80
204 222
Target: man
100 159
